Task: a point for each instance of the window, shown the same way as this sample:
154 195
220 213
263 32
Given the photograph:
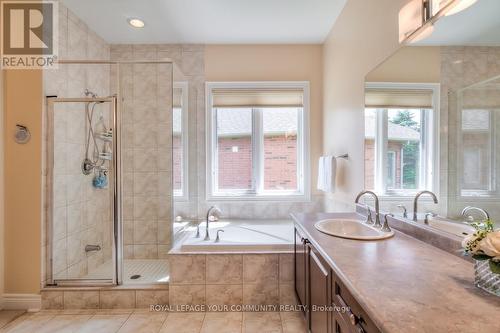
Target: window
478 139
400 132
256 139
179 140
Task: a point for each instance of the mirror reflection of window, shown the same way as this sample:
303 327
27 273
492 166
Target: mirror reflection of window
477 136
179 140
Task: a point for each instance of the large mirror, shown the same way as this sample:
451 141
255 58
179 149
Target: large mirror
432 119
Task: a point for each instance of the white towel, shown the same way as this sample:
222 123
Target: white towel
327 170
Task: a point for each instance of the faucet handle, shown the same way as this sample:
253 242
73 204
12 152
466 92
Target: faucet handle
369 219
426 219
405 211
386 227
217 239
197 231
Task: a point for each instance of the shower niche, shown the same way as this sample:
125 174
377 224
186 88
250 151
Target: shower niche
108 184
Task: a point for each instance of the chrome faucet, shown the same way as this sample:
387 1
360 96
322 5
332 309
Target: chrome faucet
405 211
217 239
415 201
217 211
377 208
467 209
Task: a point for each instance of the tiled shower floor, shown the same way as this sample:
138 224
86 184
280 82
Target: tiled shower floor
149 270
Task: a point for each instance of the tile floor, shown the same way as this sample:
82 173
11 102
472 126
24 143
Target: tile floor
144 321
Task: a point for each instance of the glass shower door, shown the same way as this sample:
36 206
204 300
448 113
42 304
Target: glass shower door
81 190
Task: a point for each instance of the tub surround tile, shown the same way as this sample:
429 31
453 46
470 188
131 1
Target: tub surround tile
217 294
286 268
122 299
224 269
265 293
187 269
260 267
187 294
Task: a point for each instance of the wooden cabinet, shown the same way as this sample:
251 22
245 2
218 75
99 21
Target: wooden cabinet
319 289
330 306
300 259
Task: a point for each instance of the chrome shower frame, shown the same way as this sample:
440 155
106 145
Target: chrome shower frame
117 250
116 193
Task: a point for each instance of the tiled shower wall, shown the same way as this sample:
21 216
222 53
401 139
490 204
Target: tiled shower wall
81 213
146 122
461 67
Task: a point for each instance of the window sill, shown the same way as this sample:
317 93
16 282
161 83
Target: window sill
268 198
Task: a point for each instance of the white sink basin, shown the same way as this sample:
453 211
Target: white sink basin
456 228
351 229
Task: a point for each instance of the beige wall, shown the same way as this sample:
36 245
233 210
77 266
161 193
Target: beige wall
410 64
22 177
274 63
365 34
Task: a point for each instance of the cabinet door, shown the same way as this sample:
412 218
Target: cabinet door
300 267
319 291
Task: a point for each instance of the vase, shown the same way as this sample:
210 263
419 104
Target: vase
485 278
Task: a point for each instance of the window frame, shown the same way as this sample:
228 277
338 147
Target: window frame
183 194
258 194
429 141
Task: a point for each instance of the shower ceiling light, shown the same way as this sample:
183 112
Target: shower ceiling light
136 23
460 5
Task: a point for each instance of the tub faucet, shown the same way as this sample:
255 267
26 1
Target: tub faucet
405 212
216 211
427 215
467 209
386 227
415 202
217 239
377 209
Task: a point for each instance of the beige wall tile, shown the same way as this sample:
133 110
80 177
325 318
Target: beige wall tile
52 300
187 269
224 269
146 298
260 268
261 294
193 294
122 299
218 294
81 299
286 267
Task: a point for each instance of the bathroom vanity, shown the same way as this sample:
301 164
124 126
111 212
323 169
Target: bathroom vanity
399 284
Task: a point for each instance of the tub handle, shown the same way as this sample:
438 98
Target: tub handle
217 239
197 231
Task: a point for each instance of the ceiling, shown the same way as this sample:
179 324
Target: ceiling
210 21
477 25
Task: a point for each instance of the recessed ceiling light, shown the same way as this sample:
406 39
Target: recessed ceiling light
461 5
136 23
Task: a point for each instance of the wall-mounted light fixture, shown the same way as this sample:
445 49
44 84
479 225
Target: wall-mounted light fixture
417 18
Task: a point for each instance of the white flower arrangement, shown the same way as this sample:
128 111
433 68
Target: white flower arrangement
484 244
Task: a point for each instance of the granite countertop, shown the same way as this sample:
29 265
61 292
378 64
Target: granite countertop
404 284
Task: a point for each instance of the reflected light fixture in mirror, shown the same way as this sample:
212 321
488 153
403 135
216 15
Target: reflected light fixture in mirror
136 23
460 6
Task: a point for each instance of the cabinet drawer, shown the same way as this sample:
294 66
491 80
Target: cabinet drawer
354 319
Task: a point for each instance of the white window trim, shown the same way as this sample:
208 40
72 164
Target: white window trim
183 85
303 160
432 174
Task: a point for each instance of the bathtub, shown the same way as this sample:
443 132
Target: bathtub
240 236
